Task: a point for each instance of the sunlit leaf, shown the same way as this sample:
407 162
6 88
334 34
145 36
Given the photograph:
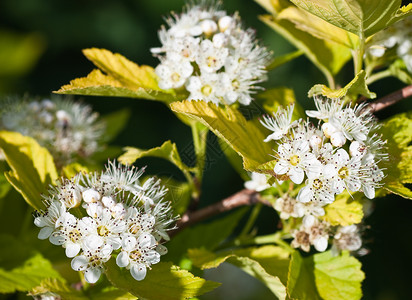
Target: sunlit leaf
163 282
328 56
280 60
307 22
25 277
361 17
397 131
353 89
338 277
167 150
73 169
398 70
344 211
245 137
301 279
32 166
58 287
268 264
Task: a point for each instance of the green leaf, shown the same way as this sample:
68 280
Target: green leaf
124 79
163 281
27 276
398 70
234 159
245 137
179 194
319 28
354 88
361 17
338 277
115 122
343 211
328 56
32 166
167 150
59 287
280 60
397 131
4 186
208 235
301 279
267 264
73 169
98 84
272 99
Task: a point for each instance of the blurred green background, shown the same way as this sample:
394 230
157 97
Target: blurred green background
40 50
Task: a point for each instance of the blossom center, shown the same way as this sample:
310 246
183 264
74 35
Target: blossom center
343 172
103 230
135 254
134 228
317 184
294 160
211 61
175 77
74 235
235 84
206 90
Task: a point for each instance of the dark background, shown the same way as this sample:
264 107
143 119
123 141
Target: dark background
40 50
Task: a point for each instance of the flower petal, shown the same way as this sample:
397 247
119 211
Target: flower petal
296 174
79 263
72 249
92 275
138 271
122 259
44 233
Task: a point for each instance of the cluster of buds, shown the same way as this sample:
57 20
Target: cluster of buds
340 153
67 129
97 215
396 39
208 53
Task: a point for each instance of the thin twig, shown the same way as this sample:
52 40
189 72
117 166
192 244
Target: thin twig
391 99
241 198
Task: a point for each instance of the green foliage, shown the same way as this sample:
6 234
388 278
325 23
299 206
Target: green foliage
124 79
267 264
397 131
73 169
230 125
163 281
280 60
179 194
338 277
361 17
353 89
344 211
59 287
21 268
207 236
327 55
167 150
301 278
32 166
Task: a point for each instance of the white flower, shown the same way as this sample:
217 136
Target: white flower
295 159
347 238
326 108
258 182
91 262
317 189
280 123
50 219
204 87
173 73
370 176
288 207
343 172
138 254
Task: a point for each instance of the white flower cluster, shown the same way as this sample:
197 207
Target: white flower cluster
67 129
398 37
96 215
207 52
341 153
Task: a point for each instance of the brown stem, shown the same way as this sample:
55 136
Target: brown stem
391 99
243 197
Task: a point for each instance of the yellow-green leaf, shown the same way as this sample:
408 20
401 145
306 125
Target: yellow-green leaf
167 150
353 89
122 78
268 264
328 56
343 211
361 17
32 166
280 60
163 282
59 287
397 131
245 137
73 169
338 277
305 21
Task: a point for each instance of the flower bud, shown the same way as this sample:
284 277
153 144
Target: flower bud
90 196
225 23
328 129
208 27
338 139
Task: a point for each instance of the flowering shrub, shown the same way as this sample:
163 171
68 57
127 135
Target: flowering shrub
318 170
